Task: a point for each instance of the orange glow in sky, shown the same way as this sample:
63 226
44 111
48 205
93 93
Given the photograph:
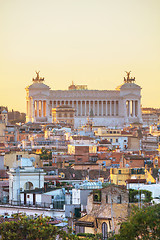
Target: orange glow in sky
89 42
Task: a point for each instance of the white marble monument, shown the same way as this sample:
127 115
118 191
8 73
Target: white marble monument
111 108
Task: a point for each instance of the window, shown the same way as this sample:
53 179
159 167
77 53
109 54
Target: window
97 196
79 159
106 198
105 231
18 157
117 140
79 229
119 199
119 171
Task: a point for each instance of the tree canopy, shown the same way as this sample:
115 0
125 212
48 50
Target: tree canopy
23 227
143 224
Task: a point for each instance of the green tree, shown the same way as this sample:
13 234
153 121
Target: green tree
39 228
30 229
143 224
134 194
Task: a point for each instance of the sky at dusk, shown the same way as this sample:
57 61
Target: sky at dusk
89 42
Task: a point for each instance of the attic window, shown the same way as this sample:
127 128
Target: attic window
97 196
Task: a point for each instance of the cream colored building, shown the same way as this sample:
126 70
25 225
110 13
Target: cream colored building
119 176
13 159
106 107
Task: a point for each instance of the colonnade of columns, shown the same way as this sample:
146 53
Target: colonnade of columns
96 108
36 108
132 108
90 107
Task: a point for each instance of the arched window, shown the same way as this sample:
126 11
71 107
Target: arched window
28 186
104 231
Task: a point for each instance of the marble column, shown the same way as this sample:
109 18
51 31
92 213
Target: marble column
129 110
93 107
81 113
77 108
114 108
102 108
33 109
89 107
117 108
133 108
30 107
106 108
42 108
85 108
110 108
97 108
37 108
